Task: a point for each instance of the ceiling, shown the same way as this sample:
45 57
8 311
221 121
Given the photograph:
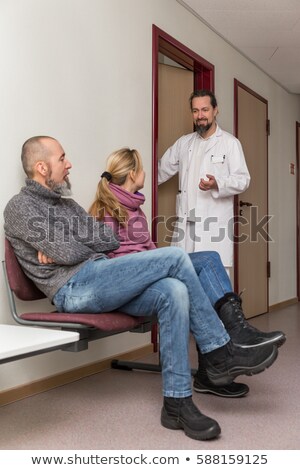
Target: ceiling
267 32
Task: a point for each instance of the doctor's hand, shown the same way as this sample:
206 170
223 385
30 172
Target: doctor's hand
43 259
210 183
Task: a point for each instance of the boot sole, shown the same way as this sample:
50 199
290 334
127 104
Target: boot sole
279 341
222 391
173 423
227 377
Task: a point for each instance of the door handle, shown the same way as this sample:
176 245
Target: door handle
242 203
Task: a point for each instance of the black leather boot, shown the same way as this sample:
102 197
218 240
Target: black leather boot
229 309
230 361
182 413
202 384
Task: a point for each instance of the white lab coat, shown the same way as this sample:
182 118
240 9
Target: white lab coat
213 213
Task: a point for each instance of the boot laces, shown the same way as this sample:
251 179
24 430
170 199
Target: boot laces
240 317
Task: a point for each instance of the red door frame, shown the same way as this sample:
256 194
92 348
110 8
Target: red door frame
203 78
298 206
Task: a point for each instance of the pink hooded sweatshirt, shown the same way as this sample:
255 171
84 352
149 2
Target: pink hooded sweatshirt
135 237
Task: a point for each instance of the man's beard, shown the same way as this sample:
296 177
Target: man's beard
203 128
64 189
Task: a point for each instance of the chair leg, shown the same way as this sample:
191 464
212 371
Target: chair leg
130 365
154 337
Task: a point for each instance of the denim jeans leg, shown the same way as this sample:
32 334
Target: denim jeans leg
212 274
203 317
108 284
170 301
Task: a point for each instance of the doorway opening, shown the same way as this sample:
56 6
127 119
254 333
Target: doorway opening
167 52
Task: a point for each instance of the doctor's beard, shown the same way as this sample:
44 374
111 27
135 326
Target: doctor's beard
202 129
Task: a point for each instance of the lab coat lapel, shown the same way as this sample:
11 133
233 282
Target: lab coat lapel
214 140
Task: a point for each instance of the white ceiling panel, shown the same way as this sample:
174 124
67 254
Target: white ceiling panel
255 5
267 32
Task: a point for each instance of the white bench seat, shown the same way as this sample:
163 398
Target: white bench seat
18 341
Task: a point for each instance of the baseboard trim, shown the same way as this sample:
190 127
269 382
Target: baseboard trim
24 391
284 304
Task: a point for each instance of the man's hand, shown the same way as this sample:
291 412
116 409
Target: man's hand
43 259
206 185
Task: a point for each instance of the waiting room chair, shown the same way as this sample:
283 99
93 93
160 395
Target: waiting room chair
90 326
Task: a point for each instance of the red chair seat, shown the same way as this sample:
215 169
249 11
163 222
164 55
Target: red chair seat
114 321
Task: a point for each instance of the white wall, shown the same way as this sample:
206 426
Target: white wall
80 70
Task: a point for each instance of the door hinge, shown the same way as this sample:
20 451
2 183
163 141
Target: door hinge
268 269
268 127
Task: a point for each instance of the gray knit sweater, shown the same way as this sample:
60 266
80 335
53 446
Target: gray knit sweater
40 219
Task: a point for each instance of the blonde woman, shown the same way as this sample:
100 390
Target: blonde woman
118 202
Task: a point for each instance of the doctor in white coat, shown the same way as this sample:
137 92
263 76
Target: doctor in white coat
212 169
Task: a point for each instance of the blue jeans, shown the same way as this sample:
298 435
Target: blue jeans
161 282
212 274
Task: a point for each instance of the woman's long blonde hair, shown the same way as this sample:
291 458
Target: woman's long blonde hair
119 164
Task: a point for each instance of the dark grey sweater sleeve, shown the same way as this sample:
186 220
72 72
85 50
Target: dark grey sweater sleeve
64 232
